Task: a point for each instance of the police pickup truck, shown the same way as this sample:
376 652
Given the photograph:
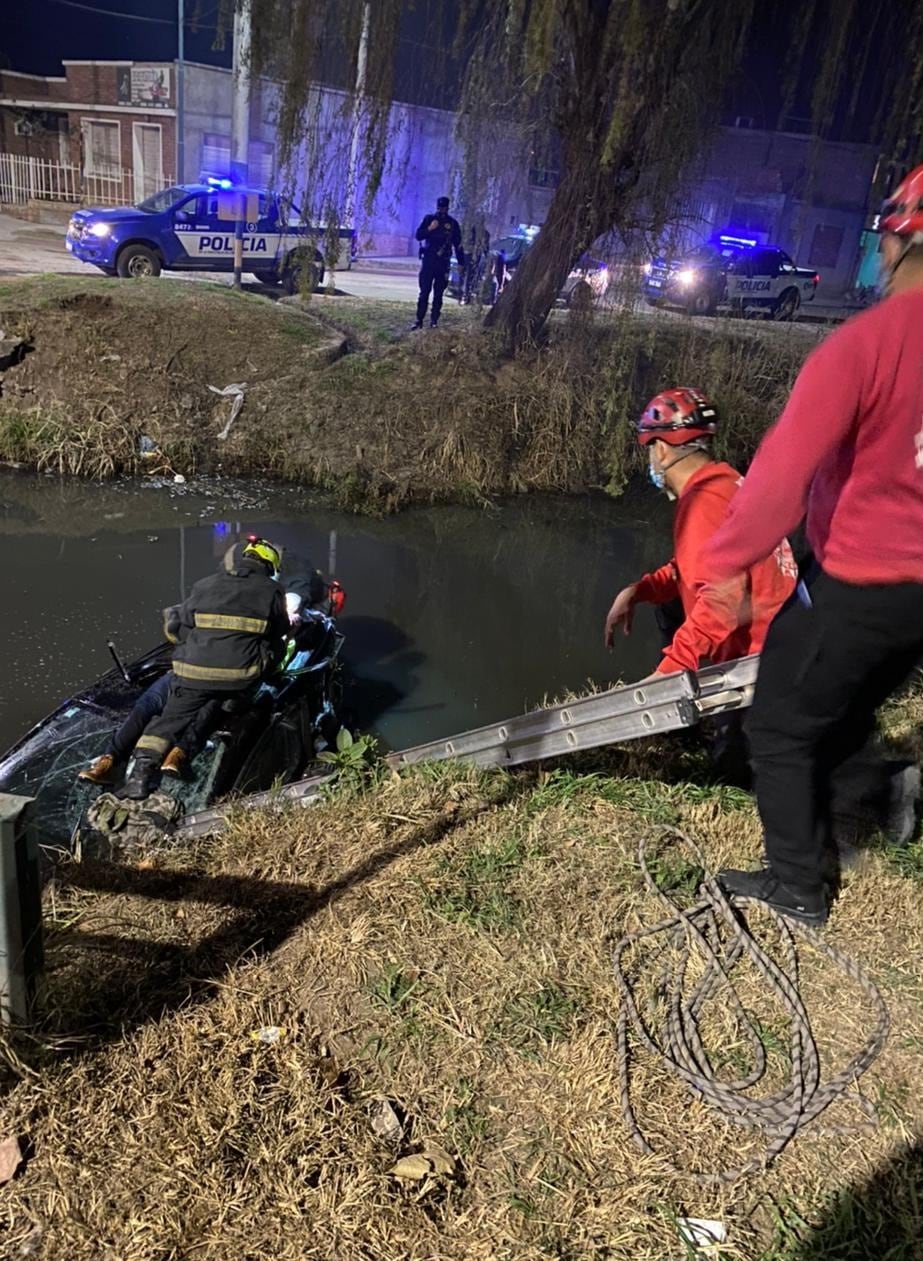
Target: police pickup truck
191 227
731 271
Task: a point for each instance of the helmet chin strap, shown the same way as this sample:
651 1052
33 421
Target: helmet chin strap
665 468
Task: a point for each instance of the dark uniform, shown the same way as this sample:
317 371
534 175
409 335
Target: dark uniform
438 234
229 634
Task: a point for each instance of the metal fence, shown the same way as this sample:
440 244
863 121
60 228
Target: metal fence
25 179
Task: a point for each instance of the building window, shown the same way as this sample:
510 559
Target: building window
216 154
825 246
216 158
101 147
539 177
260 158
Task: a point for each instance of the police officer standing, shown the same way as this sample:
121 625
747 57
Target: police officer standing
438 234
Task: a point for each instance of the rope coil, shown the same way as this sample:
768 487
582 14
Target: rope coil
712 931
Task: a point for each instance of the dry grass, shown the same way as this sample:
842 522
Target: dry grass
441 941
394 419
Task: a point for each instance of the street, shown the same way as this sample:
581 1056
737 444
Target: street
31 249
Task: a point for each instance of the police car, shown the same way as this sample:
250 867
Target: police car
735 271
191 227
587 281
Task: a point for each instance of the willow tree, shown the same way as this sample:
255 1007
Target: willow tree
626 90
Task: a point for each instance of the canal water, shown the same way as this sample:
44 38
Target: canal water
455 616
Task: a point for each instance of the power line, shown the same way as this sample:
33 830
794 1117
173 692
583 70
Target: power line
135 17
112 13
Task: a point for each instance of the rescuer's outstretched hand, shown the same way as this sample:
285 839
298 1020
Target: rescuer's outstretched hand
621 614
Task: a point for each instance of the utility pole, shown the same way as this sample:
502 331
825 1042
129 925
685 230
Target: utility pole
180 93
240 124
352 168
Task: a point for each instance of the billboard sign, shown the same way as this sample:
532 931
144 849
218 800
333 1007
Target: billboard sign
147 87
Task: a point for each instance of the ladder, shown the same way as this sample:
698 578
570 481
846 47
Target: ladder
616 716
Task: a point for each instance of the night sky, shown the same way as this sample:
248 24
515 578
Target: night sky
37 35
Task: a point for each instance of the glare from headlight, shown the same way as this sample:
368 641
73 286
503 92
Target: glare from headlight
687 276
99 229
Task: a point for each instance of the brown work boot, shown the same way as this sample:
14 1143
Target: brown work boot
173 763
101 770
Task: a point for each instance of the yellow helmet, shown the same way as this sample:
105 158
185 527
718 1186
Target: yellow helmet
263 550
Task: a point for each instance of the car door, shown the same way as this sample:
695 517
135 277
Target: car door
753 276
792 275
186 223
200 232
264 244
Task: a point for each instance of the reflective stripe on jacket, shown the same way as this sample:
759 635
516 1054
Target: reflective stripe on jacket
230 631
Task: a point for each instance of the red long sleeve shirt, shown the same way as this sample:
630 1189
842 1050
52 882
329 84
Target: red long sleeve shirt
848 450
718 626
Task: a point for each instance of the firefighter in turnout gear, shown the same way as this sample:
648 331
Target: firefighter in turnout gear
229 634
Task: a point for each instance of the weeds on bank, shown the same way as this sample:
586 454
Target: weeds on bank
474 887
535 1018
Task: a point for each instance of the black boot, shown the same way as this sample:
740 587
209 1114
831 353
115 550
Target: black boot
138 784
764 886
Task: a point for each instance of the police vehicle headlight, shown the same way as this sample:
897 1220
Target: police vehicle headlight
687 277
99 229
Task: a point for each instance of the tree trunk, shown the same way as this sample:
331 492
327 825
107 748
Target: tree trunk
582 208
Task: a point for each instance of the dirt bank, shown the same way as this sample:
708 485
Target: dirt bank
241 1042
339 396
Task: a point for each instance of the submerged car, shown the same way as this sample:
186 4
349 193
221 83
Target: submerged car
587 280
731 271
191 227
271 741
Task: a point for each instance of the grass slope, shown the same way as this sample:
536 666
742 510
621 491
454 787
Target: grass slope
438 942
340 396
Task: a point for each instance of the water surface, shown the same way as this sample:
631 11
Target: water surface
455 616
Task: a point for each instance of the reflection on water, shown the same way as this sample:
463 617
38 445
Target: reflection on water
455 617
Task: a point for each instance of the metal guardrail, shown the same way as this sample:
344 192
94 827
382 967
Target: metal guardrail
620 714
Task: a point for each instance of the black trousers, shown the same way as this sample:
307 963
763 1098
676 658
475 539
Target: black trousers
148 705
187 713
825 669
434 276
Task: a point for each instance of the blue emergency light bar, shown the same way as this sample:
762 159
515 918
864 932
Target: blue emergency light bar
736 240
214 182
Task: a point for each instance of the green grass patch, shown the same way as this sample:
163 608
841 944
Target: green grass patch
537 1017
473 887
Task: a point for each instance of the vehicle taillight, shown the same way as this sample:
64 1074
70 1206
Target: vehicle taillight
337 598
817 278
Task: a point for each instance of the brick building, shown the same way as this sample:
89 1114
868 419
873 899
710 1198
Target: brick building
115 121
113 124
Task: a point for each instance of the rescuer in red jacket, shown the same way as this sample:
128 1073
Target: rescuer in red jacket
676 428
848 451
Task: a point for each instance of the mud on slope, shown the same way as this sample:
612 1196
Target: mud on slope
337 397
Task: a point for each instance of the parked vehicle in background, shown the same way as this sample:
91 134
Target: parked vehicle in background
190 227
587 281
733 271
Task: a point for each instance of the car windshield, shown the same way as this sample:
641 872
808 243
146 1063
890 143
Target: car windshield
164 200
703 254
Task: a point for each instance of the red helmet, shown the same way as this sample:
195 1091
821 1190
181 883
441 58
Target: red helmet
677 416
902 213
